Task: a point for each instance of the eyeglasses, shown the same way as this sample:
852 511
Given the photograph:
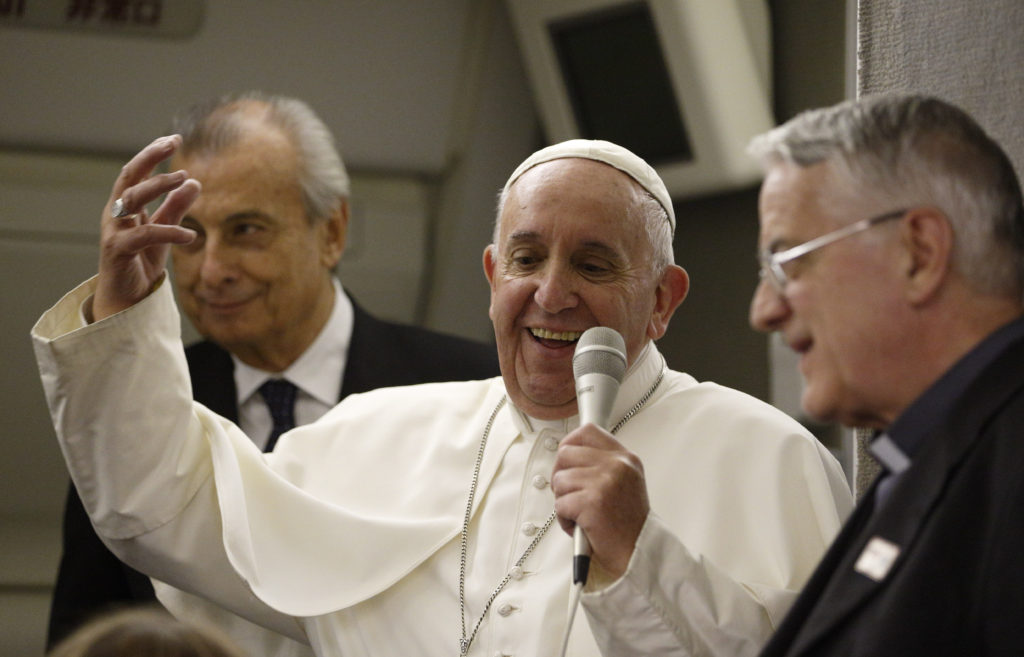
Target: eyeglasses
771 263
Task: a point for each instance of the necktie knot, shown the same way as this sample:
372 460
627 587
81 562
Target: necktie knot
279 395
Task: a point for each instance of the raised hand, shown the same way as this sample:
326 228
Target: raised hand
133 244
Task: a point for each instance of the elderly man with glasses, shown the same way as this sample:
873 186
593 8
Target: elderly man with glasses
908 322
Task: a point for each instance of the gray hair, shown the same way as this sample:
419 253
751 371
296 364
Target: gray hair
652 215
210 127
907 150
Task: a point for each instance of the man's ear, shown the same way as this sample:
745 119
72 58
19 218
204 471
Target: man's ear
489 267
333 232
670 292
489 264
926 237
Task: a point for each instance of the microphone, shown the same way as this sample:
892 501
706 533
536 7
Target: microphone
598 365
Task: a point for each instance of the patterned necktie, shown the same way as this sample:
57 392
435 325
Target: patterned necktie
280 397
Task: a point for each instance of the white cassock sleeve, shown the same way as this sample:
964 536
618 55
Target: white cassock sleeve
744 503
100 376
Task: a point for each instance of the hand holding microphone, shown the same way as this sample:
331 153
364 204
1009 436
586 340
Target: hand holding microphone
598 365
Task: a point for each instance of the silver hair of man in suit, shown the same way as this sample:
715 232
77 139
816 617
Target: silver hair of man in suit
210 127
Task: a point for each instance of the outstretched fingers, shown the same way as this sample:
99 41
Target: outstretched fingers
133 200
141 167
137 232
133 245
181 194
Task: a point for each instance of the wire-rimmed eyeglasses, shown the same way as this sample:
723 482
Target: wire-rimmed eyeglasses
771 263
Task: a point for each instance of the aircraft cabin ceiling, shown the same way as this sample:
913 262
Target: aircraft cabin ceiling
384 75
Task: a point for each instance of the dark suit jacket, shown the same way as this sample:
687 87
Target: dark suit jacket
91 579
957 515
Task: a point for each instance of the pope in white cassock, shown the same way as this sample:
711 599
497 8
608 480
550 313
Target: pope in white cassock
437 519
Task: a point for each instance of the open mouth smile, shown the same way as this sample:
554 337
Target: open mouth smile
555 338
567 336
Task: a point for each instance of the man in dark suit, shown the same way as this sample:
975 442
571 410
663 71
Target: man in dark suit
258 285
892 262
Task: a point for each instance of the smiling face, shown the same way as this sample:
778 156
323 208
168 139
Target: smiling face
257 278
842 307
572 253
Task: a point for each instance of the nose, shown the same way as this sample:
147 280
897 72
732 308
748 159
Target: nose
556 290
218 263
768 307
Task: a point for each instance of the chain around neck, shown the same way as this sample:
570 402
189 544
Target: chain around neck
464 641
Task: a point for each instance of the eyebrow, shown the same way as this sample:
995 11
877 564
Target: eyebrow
248 214
237 216
522 236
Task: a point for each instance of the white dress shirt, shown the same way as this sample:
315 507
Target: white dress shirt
317 373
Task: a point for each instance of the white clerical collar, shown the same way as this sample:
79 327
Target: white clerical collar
319 370
639 379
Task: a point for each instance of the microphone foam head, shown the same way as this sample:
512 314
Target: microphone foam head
600 350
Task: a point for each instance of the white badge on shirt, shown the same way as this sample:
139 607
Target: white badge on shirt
877 558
